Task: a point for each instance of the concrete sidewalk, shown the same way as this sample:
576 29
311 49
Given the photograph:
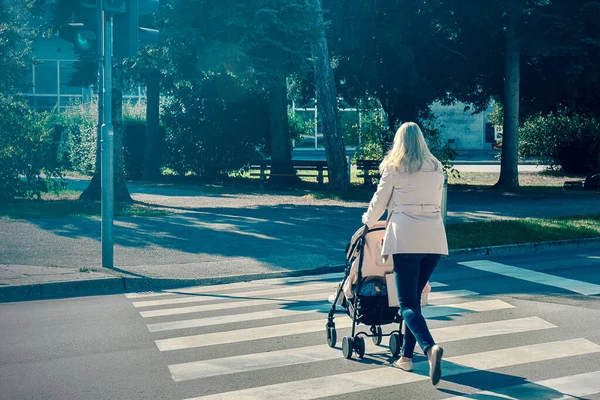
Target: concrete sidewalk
217 235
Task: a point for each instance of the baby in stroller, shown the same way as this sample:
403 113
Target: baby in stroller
367 294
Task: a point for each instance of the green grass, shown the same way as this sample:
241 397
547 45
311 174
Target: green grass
529 181
495 233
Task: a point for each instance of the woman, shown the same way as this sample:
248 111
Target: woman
410 188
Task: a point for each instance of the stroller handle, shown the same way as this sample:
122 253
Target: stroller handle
365 231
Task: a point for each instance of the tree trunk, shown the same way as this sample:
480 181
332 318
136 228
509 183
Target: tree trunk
335 151
281 149
94 189
121 191
509 173
152 153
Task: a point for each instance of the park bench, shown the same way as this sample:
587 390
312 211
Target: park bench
264 167
367 166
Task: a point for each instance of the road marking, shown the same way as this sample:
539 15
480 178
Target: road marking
297 279
230 319
234 304
243 335
462 308
336 385
484 329
567 387
280 300
198 289
447 294
572 285
237 296
236 285
428 312
447 334
251 362
245 285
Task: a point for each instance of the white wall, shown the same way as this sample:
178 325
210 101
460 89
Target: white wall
53 48
467 130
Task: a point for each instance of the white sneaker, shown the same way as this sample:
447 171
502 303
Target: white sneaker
340 301
405 364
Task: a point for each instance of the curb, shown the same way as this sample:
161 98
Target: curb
522 248
118 285
57 290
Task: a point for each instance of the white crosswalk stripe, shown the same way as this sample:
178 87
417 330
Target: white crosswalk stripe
283 299
247 285
329 286
428 312
284 308
235 305
572 285
563 388
335 385
320 353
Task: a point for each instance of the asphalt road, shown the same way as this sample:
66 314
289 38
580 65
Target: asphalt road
503 332
217 233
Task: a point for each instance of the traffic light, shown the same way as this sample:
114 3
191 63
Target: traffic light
128 35
83 36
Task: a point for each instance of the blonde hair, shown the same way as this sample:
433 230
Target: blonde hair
410 151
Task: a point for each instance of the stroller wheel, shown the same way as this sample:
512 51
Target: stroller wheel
395 344
378 335
347 347
359 344
331 336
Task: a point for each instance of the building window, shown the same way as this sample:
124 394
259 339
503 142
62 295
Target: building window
67 68
46 78
49 85
45 103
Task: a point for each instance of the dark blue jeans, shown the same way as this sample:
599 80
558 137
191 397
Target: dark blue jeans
412 271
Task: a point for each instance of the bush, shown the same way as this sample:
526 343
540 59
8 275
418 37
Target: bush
76 127
571 141
376 138
374 132
27 162
214 127
349 125
299 127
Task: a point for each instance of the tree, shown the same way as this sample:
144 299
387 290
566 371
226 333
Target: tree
509 173
260 41
327 102
531 38
409 53
25 146
565 50
16 36
87 73
148 69
388 50
152 157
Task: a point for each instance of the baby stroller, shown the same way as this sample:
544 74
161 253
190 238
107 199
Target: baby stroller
364 287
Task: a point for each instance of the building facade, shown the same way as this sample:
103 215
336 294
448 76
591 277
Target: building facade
49 80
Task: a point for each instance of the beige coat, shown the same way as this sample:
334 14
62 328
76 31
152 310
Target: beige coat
413 201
